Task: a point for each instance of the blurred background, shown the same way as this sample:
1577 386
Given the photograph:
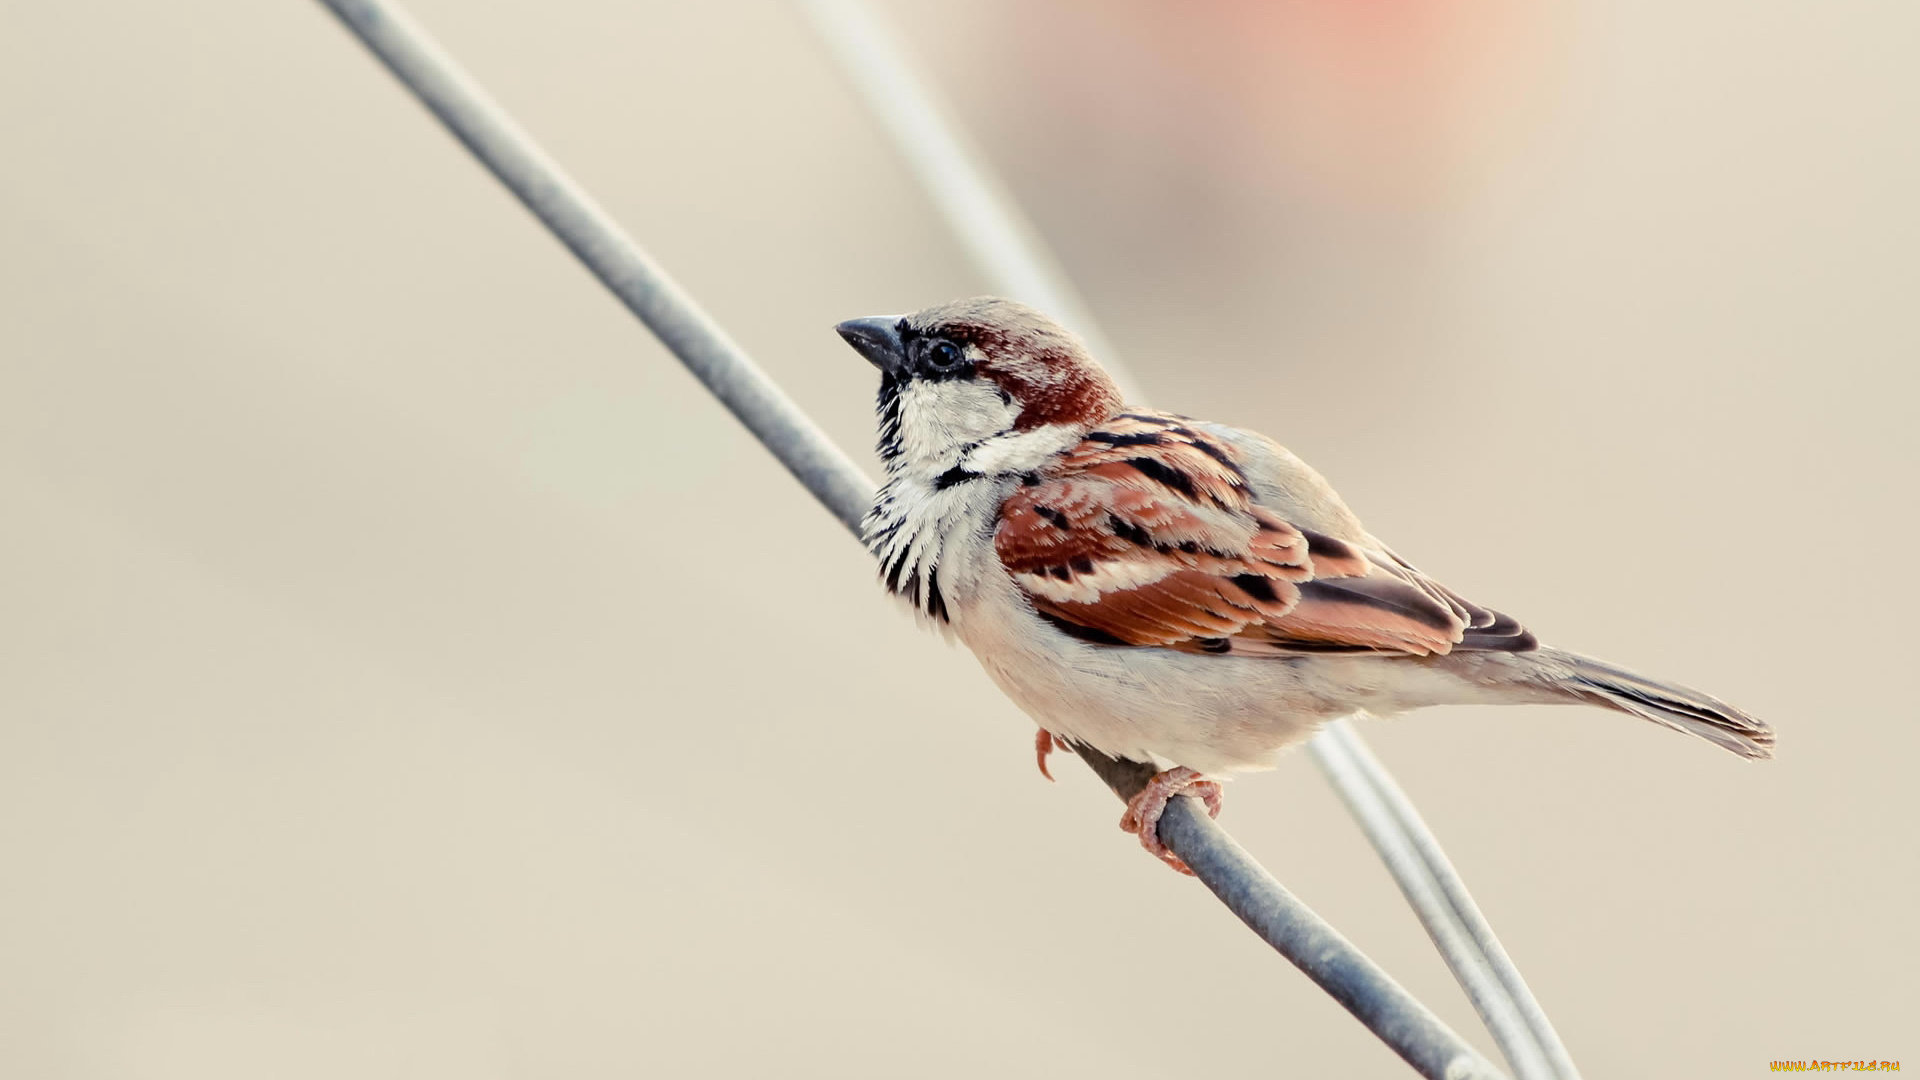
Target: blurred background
406 670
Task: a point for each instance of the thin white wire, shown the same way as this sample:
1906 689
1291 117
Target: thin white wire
1448 913
986 221
1388 817
984 218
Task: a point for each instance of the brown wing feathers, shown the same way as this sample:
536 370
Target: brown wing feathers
1148 534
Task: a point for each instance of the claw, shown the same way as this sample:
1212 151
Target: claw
1043 745
1144 809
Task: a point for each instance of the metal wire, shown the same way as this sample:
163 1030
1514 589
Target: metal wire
1451 930
1414 857
1290 927
1009 253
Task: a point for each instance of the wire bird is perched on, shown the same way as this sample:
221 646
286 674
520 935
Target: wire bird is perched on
1169 590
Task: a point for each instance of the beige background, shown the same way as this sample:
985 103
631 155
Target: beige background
406 671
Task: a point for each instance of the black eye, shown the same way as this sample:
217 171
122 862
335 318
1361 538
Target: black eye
943 355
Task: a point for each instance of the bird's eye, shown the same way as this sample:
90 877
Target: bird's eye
943 355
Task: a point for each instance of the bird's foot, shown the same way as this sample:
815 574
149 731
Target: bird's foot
1043 744
1143 810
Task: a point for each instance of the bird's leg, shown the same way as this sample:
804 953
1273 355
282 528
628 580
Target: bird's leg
1043 745
1143 810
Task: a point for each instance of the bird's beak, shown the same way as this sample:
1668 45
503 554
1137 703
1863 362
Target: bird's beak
878 340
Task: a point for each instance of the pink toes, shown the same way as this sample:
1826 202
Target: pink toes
1143 810
1043 745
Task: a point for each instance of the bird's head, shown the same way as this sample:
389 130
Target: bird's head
986 386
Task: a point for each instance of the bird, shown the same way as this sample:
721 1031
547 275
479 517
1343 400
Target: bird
1172 591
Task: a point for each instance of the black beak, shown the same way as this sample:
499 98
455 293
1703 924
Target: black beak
878 340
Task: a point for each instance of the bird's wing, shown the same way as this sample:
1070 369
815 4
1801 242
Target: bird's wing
1151 533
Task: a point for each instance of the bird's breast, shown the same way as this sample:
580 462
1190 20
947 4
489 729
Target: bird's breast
933 539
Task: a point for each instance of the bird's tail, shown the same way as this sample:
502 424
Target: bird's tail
1678 707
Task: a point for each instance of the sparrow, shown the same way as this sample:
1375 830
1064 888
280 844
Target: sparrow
1168 590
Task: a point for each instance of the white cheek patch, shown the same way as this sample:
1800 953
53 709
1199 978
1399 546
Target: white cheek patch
938 419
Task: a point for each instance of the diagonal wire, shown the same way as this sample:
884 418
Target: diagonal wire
1290 927
1008 251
